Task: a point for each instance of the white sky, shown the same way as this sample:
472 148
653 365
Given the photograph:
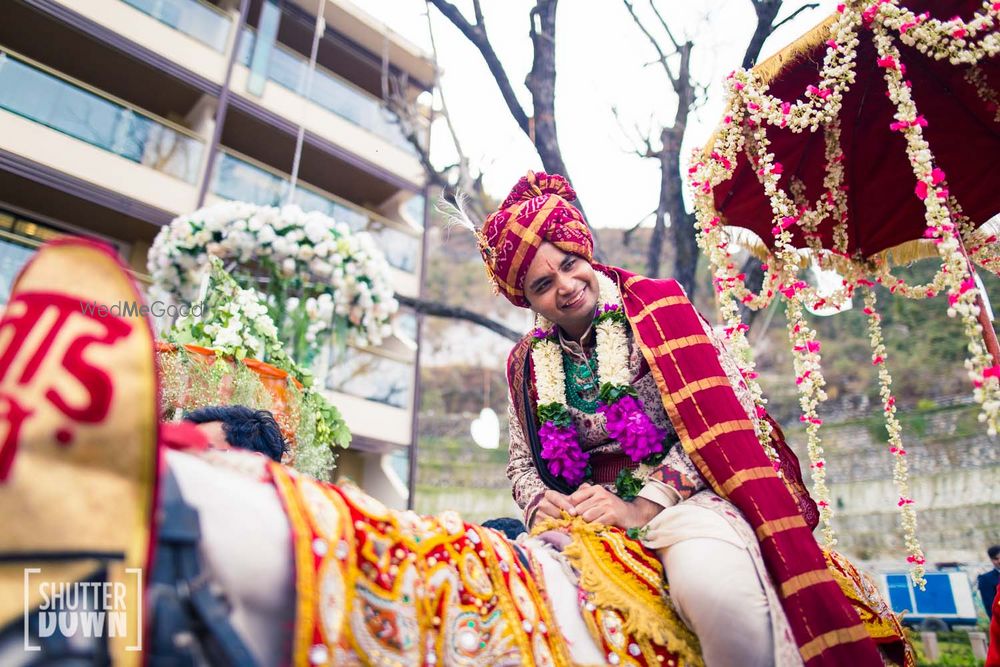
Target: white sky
600 58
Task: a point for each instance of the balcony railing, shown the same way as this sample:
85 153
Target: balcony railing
195 19
31 90
240 178
290 70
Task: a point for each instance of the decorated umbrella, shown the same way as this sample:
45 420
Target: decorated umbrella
869 142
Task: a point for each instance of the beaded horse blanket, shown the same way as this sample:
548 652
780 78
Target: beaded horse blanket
380 586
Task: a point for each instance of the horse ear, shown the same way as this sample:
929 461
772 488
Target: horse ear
78 432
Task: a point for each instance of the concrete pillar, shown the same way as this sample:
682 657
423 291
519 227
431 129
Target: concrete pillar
201 120
978 641
930 642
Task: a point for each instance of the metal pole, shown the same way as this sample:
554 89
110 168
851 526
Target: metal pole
989 333
411 483
320 28
220 113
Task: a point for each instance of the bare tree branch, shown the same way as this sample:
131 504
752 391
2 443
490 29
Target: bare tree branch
666 28
655 42
639 151
436 309
811 5
477 35
767 11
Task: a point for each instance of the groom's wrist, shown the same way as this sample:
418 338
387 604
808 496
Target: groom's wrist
645 510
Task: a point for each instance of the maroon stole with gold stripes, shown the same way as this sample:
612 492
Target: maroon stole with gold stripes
719 437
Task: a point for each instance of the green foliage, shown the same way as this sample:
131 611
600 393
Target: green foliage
627 485
955 648
925 351
555 413
610 393
616 315
637 533
236 326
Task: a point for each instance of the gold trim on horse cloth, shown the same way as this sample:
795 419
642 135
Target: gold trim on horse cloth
78 426
392 587
627 590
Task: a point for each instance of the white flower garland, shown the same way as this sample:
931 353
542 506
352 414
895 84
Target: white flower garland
900 468
612 351
310 246
750 109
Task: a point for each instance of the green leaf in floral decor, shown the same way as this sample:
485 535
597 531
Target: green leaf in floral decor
610 393
555 413
627 485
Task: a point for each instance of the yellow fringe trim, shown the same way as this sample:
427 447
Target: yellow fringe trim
903 254
768 70
646 616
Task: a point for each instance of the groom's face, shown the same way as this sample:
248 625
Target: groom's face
562 287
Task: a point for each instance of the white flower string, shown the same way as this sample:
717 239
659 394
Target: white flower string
810 382
932 189
900 469
750 109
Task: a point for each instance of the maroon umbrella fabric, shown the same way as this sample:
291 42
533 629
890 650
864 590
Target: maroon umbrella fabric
883 210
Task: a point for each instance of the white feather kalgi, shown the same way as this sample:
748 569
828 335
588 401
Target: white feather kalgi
458 214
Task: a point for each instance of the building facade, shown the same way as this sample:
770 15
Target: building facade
118 115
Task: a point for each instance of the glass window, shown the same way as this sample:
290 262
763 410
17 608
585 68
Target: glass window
13 256
18 242
290 69
372 377
405 324
401 249
242 181
413 210
190 17
400 462
63 106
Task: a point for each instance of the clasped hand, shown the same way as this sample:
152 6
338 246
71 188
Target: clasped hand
595 504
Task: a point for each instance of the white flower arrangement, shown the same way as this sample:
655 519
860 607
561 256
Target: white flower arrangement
320 276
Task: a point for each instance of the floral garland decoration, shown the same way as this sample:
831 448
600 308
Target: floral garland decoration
750 109
627 421
975 78
340 276
900 469
932 188
235 324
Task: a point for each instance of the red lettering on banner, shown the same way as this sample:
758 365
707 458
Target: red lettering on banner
23 315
